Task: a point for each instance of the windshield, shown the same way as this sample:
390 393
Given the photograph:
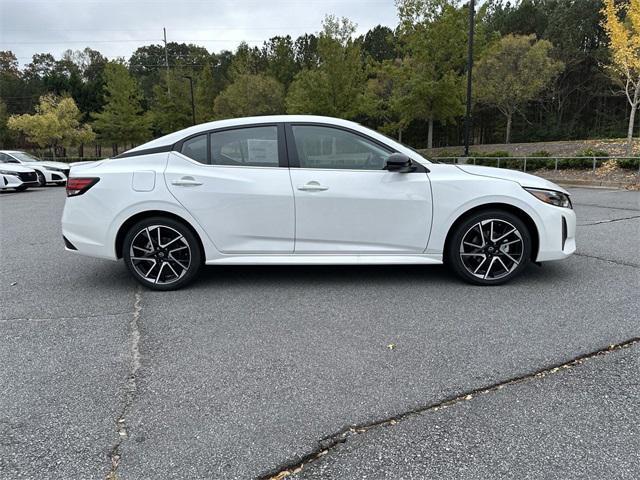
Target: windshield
25 157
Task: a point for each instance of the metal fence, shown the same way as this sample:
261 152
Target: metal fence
550 163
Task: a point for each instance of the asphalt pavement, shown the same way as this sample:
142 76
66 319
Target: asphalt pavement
254 369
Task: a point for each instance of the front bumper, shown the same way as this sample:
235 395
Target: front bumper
54 176
558 241
29 179
9 181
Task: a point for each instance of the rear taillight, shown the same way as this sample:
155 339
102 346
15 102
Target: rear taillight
77 186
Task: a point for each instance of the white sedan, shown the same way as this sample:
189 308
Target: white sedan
10 182
17 177
307 190
47 171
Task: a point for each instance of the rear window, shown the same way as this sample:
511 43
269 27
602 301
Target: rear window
196 148
246 147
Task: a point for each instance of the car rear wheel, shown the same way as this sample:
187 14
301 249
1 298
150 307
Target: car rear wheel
161 253
489 247
42 181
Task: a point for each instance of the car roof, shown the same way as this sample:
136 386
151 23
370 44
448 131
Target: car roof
174 137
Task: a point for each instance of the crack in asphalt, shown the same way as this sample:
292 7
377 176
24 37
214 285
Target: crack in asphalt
608 207
66 317
608 221
595 257
330 442
131 386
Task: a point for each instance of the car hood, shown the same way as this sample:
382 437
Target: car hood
54 164
524 179
85 164
14 167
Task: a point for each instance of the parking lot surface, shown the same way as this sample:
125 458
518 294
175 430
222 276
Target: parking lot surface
252 369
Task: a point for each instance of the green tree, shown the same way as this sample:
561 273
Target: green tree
247 61
306 51
280 57
171 104
12 82
512 72
56 123
433 36
380 102
583 82
379 43
205 94
428 95
5 133
335 87
122 121
250 95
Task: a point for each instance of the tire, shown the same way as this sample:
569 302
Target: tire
166 265
482 259
42 181
21 188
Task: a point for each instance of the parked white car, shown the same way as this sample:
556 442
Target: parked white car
307 190
26 176
8 182
47 171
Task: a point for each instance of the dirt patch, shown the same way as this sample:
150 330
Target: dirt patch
569 148
612 177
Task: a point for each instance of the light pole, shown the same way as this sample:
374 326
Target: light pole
193 105
467 119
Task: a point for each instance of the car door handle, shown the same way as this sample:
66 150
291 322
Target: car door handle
312 187
186 182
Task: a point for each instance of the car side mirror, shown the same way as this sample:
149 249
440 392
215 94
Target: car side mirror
399 162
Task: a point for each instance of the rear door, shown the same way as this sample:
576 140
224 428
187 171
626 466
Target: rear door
346 202
236 183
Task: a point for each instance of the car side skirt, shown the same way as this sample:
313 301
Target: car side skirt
322 259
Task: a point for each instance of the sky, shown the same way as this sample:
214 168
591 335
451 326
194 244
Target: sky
117 27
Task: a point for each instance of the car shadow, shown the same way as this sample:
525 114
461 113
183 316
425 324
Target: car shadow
291 275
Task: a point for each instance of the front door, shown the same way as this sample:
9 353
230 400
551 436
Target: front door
347 203
236 185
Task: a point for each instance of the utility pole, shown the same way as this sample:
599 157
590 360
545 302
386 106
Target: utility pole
467 119
193 105
166 58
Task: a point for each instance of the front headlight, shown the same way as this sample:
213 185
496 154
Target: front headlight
551 197
54 169
6 172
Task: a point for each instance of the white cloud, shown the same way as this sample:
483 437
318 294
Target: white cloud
118 27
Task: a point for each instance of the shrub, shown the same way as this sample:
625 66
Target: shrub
540 153
590 152
488 158
629 163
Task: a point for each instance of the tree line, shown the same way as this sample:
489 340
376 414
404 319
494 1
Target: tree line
544 70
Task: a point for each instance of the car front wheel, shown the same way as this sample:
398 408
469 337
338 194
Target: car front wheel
161 253
42 181
489 248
